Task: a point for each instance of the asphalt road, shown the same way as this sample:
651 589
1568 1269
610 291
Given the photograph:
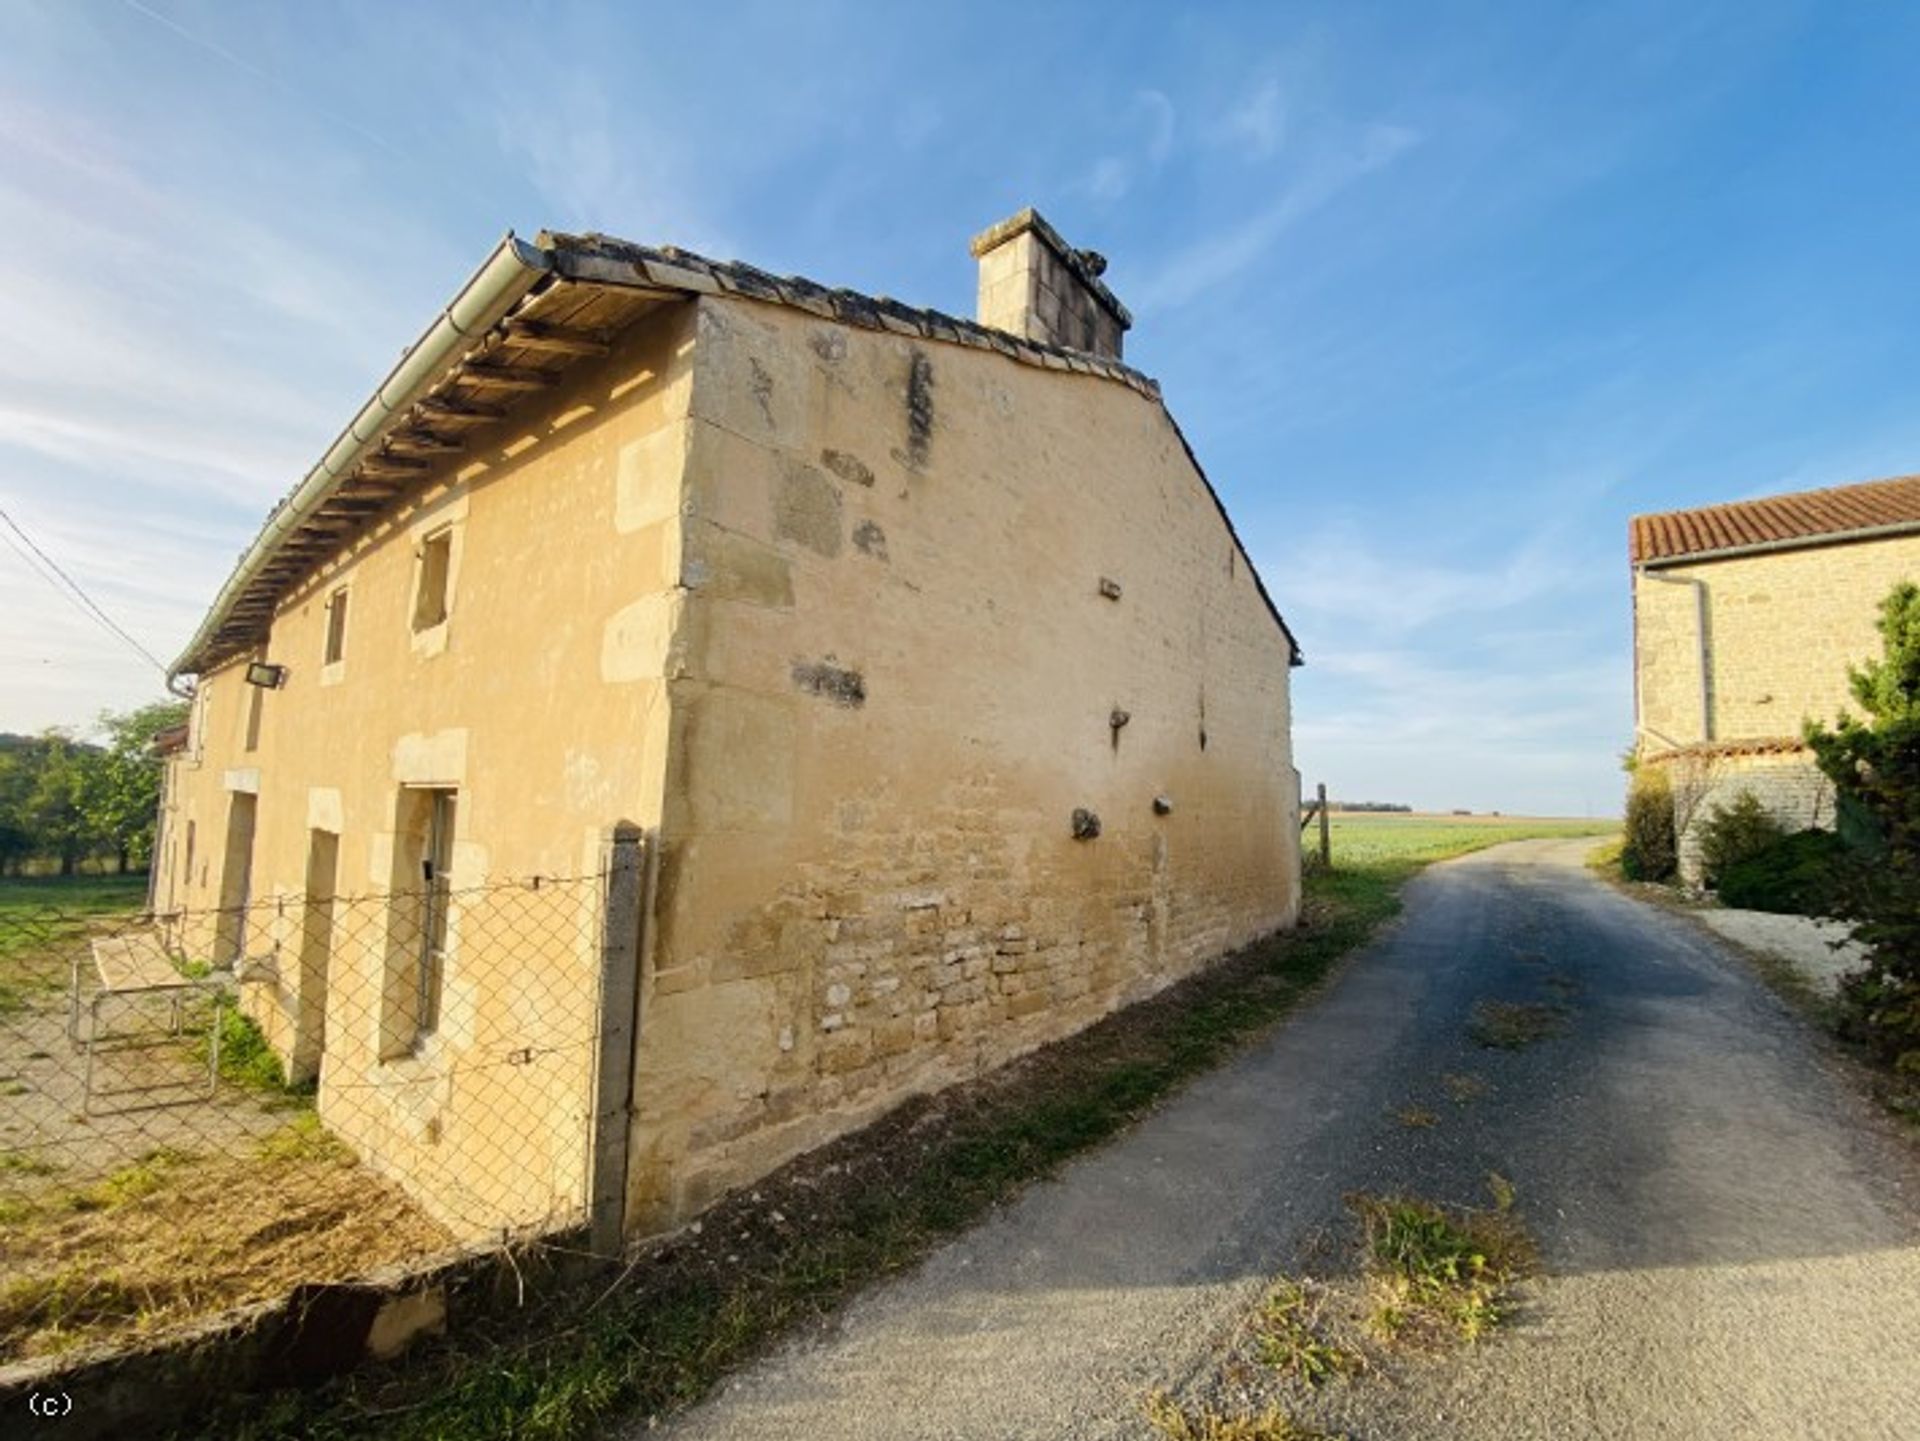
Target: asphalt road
1730 1235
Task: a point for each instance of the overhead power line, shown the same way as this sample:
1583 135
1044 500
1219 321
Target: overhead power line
48 569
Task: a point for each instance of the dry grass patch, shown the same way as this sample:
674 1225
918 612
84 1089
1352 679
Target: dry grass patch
1290 1333
1463 1088
1514 1025
1176 1423
1416 1118
177 1236
1441 1273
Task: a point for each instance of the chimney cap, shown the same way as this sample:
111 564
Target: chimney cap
1087 265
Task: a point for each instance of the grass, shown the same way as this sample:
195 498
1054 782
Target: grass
1416 1118
1290 1337
148 1174
1440 1272
73 895
25 1163
1462 1088
862 1208
247 1060
1173 1421
36 912
1514 1025
177 1235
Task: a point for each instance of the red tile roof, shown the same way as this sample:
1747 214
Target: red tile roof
1811 516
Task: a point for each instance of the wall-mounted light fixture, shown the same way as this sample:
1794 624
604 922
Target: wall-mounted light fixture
266 675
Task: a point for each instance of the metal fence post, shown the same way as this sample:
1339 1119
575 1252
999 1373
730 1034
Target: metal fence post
619 1022
1326 831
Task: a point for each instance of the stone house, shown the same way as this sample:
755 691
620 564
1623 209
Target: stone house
921 649
1746 617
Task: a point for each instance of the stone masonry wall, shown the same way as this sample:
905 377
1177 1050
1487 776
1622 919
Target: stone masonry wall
1782 628
937 603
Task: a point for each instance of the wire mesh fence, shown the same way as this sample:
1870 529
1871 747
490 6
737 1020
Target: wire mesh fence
201 1109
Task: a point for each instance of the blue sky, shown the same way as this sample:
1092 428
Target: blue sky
1441 293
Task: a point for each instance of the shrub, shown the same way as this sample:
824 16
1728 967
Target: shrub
1875 767
1649 850
1803 874
1735 833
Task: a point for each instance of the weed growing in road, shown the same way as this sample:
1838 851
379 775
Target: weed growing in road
1514 1025
1440 1271
1176 1423
1416 1118
1289 1335
1464 1087
1501 1189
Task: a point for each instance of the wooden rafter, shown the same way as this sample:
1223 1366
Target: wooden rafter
459 409
558 339
424 441
505 377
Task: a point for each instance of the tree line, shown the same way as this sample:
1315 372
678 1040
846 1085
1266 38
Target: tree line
65 801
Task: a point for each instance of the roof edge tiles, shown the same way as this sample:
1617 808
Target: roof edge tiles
1873 510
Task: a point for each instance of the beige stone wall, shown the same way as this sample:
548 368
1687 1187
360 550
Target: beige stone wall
542 700
899 672
1782 628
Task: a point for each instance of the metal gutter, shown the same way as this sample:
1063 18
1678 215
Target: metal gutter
502 282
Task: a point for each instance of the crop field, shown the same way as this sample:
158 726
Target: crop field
1365 838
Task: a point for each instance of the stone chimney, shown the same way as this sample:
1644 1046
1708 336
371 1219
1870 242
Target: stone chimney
1033 284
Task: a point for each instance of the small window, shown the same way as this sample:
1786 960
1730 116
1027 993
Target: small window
436 865
418 923
336 627
436 565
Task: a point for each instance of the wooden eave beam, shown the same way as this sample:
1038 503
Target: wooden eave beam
425 441
459 409
558 339
505 377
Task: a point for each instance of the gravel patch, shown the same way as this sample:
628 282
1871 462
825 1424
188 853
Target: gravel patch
1819 949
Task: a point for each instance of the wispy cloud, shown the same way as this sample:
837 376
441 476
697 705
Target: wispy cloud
1152 122
306 100
1259 123
1338 574
601 166
101 373
1208 263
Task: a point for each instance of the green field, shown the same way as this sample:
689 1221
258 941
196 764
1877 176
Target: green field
34 912
1369 838
74 895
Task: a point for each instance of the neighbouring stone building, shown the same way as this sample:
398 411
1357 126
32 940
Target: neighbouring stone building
921 649
1746 619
